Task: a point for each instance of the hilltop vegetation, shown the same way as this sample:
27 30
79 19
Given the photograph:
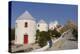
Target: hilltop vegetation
44 36
71 25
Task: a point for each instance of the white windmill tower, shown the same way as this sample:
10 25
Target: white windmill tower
25 29
42 26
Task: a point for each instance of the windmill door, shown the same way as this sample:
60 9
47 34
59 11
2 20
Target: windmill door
25 39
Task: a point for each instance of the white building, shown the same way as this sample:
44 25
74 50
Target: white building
42 26
25 29
53 25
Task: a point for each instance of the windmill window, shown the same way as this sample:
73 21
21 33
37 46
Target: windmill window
26 24
16 25
38 25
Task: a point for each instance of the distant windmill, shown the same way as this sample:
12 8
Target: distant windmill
42 26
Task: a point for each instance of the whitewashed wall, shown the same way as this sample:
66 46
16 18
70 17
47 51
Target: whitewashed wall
42 27
20 31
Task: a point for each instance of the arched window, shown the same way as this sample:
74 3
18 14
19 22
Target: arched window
38 25
26 24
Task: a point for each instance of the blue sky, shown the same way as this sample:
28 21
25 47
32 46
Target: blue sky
48 12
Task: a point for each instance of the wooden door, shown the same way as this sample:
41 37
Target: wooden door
25 39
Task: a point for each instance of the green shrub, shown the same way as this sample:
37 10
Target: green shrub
54 33
75 33
42 38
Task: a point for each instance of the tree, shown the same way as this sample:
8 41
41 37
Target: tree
42 38
75 33
73 26
54 33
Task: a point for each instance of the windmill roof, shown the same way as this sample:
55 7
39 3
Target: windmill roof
25 16
42 21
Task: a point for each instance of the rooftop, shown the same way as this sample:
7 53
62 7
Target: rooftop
25 16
